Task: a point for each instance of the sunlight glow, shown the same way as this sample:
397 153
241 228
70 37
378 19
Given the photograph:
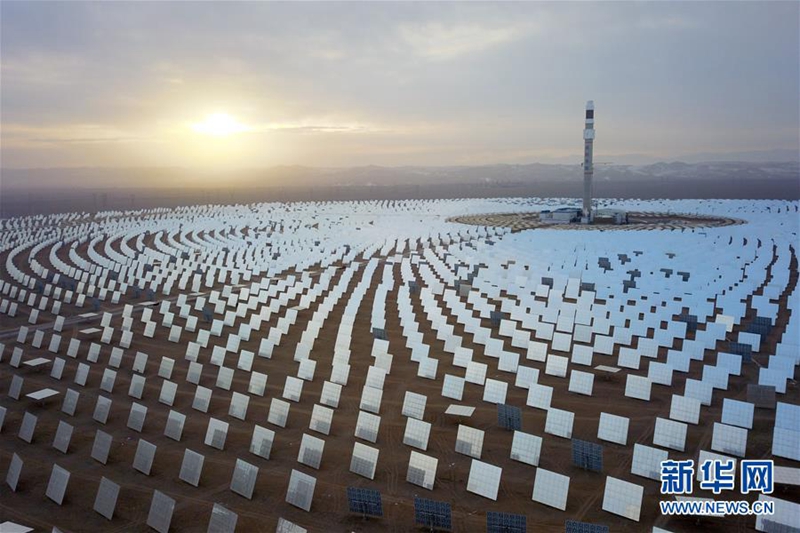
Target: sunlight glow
219 125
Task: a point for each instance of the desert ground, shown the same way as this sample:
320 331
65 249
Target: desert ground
394 260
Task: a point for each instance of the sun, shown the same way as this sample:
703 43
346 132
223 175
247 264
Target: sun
219 125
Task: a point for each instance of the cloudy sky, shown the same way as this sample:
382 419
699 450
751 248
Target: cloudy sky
340 84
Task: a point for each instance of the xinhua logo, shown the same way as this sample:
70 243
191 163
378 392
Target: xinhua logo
715 475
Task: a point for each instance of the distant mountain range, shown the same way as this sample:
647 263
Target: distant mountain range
302 176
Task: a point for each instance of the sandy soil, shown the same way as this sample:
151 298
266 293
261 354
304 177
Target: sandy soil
329 510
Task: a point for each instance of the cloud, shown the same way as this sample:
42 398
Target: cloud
442 41
21 135
445 80
668 22
48 69
88 140
306 127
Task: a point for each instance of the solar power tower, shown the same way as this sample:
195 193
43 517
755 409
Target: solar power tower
588 168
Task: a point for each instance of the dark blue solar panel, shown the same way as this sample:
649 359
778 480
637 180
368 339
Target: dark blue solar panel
739 348
762 321
760 329
365 502
573 526
496 317
587 455
432 514
761 395
506 523
379 333
691 321
509 417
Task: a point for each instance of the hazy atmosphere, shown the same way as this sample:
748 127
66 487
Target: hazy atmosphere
250 85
